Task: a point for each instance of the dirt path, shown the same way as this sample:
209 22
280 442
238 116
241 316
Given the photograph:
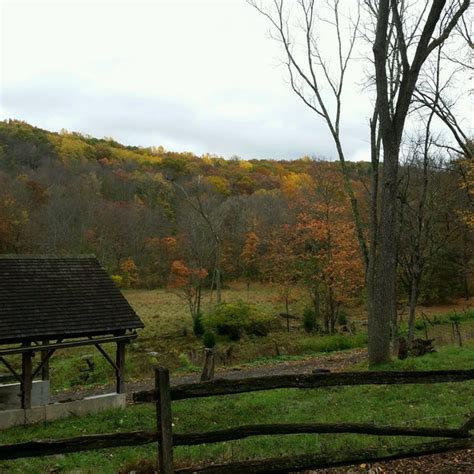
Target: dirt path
335 362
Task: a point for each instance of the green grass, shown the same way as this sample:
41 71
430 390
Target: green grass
336 342
414 405
168 337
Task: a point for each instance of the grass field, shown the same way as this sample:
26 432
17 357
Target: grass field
414 405
168 338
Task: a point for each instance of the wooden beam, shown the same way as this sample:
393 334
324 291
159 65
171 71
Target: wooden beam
227 386
44 365
45 356
164 421
318 461
106 356
27 379
136 438
11 369
64 345
241 432
120 367
73 445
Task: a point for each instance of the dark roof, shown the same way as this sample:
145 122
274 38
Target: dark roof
45 297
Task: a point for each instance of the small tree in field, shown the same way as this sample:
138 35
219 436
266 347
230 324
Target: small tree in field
281 265
188 283
249 257
129 272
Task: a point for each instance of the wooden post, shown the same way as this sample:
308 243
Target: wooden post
164 421
45 368
458 332
208 366
120 367
26 379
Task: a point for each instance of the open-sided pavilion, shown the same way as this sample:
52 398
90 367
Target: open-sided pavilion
49 303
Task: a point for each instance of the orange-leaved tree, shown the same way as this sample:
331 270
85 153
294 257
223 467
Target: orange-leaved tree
330 262
249 257
188 282
281 264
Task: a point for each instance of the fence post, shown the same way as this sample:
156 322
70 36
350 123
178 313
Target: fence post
208 366
164 420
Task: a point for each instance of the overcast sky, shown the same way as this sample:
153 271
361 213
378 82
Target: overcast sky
200 76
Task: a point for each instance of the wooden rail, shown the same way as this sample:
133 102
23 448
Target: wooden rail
316 461
252 384
163 394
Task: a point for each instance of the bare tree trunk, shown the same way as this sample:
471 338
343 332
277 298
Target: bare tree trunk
394 46
384 280
217 270
315 296
412 310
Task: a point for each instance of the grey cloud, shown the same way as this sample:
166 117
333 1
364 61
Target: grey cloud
282 129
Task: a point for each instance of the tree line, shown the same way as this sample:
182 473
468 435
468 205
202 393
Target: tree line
156 218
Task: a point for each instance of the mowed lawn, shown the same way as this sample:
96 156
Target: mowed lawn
445 405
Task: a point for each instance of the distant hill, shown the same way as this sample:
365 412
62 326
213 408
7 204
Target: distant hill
141 209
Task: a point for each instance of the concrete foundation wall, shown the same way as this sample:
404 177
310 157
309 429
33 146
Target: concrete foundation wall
10 394
56 411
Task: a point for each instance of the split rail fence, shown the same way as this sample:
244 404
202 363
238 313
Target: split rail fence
163 394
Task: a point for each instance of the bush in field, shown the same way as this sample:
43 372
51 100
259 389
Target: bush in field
309 320
237 318
209 339
342 318
337 342
198 326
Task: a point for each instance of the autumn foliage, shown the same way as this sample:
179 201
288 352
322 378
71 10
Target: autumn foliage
288 223
188 283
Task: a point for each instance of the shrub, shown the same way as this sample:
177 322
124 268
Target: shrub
237 318
198 326
309 320
118 280
342 318
419 325
337 342
209 339
186 364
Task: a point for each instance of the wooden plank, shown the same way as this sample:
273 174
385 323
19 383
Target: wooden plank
120 367
164 421
45 356
11 369
44 364
106 356
26 379
136 438
227 386
63 345
246 431
72 445
317 461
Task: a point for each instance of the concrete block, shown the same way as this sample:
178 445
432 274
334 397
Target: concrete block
35 415
57 411
10 394
9 418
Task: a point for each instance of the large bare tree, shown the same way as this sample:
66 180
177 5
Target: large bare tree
404 37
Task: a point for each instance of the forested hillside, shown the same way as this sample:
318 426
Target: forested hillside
158 218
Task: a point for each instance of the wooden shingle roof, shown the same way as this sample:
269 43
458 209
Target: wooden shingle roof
44 297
